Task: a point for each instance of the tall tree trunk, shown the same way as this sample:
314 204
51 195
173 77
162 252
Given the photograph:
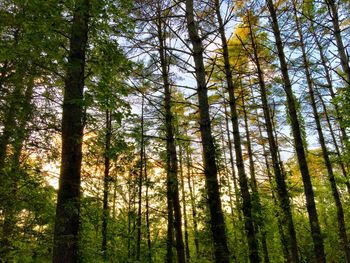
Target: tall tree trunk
243 181
217 222
340 213
259 221
184 208
234 177
192 199
343 56
149 248
284 242
282 191
22 108
68 200
139 211
171 159
334 140
298 141
106 181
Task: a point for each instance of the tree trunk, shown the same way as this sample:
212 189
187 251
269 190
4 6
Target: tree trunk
336 146
243 181
139 211
187 247
298 142
344 59
282 191
106 181
217 222
193 201
329 82
259 221
147 211
340 213
68 200
171 159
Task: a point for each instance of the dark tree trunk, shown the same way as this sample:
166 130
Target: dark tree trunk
259 221
284 242
192 199
149 248
68 200
217 222
171 159
20 111
340 212
243 181
343 56
335 142
139 211
282 191
184 209
106 181
298 142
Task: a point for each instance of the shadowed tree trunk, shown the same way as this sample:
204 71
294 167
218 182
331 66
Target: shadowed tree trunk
68 200
139 211
217 222
106 181
171 158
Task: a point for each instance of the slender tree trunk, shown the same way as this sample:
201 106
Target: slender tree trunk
259 221
217 222
139 211
282 191
106 181
147 211
340 213
172 163
284 242
336 146
68 200
193 201
22 108
243 181
298 142
343 56
184 209
329 82
234 177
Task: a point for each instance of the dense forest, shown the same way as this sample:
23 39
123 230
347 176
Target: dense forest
174 131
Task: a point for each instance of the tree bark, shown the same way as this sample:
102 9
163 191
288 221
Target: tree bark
68 201
298 142
243 181
171 158
340 212
282 191
217 222
139 211
106 181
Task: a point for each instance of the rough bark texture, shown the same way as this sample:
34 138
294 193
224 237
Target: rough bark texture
67 211
298 142
217 222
